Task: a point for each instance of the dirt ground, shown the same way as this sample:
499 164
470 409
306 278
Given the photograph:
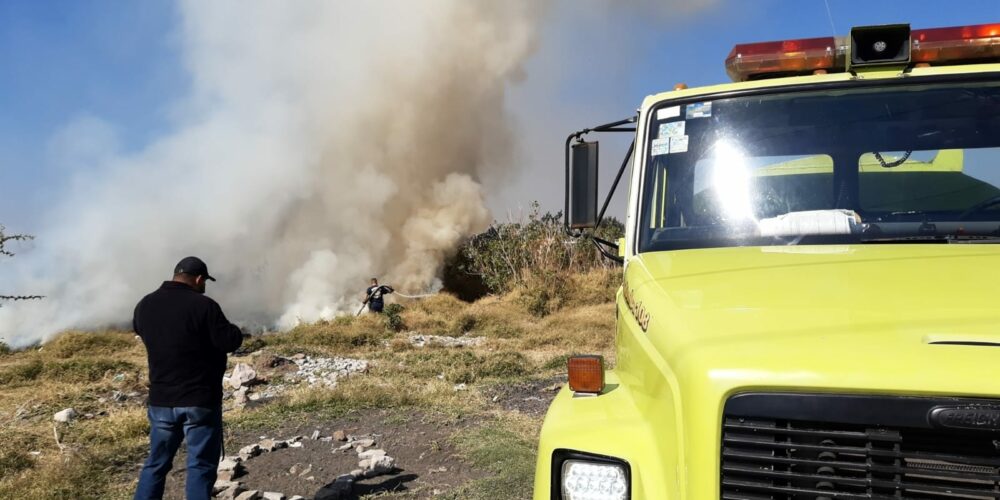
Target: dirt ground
427 463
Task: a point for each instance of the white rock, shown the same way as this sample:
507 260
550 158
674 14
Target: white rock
251 450
371 454
228 464
221 485
295 444
240 396
242 375
383 465
249 495
231 492
271 495
296 497
460 387
65 416
315 435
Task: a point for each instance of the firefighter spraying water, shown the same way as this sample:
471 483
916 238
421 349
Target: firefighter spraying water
375 297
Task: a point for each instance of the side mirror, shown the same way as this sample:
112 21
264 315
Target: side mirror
582 186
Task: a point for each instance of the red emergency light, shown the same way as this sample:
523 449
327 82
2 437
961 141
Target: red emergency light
787 57
936 46
958 44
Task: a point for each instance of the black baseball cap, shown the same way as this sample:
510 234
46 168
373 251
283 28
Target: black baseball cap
193 266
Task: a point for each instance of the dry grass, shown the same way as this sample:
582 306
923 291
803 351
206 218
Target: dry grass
101 454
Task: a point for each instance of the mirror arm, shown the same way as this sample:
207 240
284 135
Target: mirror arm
607 127
600 243
614 185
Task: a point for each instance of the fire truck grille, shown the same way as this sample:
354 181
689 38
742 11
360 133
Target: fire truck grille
769 452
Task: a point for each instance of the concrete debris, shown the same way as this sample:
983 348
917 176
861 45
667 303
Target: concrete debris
231 493
250 451
242 375
240 396
222 485
229 464
225 475
271 444
376 453
421 340
381 465
65 416
325 371
249 495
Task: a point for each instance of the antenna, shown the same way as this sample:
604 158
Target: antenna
829 16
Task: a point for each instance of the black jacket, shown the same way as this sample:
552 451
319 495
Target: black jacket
187 337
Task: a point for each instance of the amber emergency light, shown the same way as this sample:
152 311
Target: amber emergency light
936 46
586 374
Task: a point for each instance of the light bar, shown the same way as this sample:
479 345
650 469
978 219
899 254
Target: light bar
786 57
936 46
958 44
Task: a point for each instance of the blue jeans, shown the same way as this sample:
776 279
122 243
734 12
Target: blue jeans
202 428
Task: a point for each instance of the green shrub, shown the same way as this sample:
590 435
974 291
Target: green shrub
508 254
23 372
463 324
393 320
4 348
557 362
508 364
13 461
76 344
85 369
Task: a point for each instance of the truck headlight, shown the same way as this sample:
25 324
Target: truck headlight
586 480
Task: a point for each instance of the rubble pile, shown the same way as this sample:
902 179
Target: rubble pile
372 462
420 340
248 385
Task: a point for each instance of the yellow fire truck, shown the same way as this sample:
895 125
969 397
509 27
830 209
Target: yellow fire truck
810 304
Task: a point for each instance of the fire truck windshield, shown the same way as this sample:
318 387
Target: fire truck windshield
874 164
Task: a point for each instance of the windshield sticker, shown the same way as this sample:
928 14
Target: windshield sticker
671 112
660 146
679 144
699 110
672 129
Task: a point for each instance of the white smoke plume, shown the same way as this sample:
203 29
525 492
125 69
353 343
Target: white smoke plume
321 143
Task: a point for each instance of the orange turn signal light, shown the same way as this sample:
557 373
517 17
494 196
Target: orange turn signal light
586 374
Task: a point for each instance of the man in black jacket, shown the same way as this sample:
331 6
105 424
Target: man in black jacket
187 337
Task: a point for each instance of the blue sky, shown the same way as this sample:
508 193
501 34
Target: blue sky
121 63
